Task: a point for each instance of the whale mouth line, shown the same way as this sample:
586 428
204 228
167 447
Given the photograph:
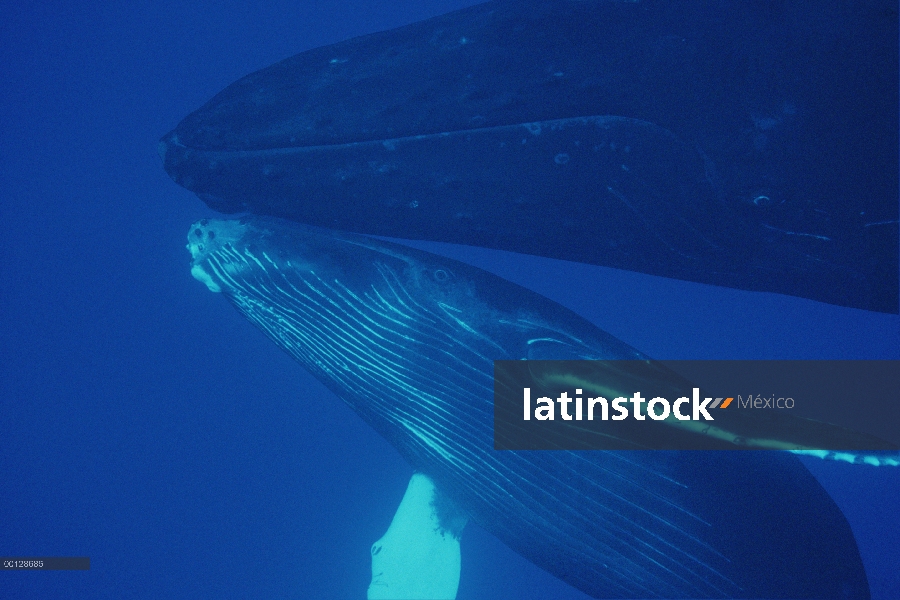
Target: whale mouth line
531 128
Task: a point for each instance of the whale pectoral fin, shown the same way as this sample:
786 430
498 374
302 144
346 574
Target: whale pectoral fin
418 557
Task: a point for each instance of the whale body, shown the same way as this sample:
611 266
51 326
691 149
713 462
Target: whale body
745 144
408 340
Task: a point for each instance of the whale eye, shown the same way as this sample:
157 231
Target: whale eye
437 275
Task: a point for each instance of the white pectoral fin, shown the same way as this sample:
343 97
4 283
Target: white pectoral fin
418 556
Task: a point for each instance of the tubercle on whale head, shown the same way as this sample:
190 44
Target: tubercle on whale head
207 236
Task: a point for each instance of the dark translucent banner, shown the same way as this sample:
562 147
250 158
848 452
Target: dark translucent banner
697 405
45 563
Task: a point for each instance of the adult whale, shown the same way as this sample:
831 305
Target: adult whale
744 144
408 339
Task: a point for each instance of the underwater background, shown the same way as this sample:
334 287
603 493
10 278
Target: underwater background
145 424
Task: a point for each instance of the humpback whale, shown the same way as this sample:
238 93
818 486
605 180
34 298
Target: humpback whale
408 340
744 144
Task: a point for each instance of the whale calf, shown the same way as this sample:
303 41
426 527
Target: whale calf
408 340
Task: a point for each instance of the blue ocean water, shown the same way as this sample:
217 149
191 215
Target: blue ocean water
144 423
